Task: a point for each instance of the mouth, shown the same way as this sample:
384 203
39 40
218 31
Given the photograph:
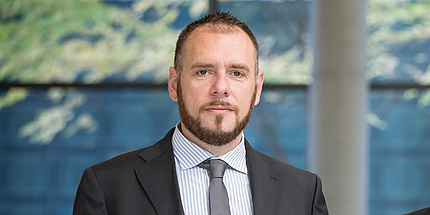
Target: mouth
218 107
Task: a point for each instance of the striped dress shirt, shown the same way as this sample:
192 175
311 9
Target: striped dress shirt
193 181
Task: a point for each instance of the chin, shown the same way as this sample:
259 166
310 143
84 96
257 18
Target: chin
225 127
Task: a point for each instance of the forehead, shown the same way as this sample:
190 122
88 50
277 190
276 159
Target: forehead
229 42
209 29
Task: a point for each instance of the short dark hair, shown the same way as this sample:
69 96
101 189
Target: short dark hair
216 21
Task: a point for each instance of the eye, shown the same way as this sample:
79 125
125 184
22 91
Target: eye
202 72
237 74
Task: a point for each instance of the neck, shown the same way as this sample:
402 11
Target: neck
214 150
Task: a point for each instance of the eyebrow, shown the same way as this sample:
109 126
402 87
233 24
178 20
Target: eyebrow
240 66
208 65
201 65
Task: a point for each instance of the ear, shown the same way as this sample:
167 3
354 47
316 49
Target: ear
173 84
260 79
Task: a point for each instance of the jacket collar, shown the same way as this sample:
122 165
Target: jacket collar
265 182
157 176
161 184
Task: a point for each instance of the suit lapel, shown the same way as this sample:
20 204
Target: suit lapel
265 182
157 176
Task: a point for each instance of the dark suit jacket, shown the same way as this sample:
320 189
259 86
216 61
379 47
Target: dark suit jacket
424 211
144 182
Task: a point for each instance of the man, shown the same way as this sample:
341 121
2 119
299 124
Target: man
216 82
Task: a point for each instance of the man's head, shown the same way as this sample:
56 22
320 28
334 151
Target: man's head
218 22
215 79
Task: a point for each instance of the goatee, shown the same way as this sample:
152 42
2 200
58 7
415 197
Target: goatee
216 137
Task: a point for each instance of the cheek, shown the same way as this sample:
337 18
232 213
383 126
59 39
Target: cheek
245 100
192 102
196 94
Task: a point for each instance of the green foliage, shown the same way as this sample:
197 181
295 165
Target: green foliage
83 41
14 95
61 116
398 29
59 41
291 67
393 27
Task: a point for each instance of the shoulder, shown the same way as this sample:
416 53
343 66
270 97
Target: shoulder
424 211
299 190
285 168
259 162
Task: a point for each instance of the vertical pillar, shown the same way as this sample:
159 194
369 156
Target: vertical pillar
338 104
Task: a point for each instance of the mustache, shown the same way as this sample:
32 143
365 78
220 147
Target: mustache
218 103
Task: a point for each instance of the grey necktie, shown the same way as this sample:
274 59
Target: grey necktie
218 197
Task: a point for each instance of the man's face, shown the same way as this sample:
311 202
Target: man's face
218 87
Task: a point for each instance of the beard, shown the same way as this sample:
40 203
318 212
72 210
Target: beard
214 137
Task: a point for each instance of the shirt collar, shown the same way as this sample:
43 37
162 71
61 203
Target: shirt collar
190 155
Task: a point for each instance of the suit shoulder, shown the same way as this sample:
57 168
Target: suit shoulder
287 169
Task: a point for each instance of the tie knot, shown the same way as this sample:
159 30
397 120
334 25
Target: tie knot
216 167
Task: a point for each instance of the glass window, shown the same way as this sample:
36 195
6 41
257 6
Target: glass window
49 133
399 149
398 41
46 144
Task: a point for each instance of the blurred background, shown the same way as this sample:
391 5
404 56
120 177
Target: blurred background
83 81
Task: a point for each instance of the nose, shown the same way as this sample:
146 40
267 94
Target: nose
220 86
